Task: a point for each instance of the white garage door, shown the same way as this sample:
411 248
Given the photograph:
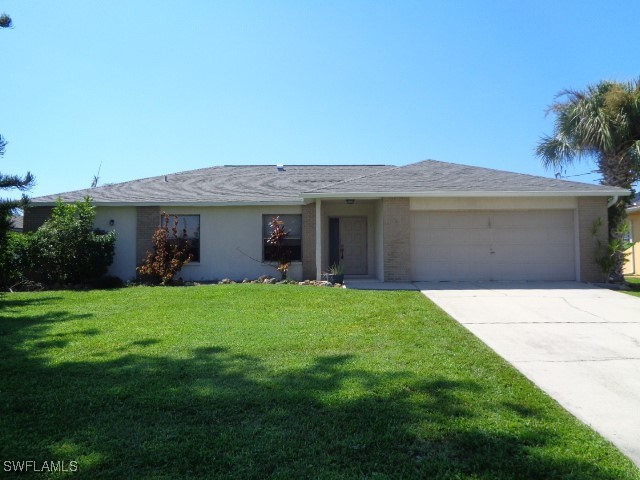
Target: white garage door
493 245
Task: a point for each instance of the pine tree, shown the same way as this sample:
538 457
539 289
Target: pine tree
9 182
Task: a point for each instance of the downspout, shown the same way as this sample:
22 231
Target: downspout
613 200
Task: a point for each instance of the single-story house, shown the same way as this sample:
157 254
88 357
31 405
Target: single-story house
426 221
632 261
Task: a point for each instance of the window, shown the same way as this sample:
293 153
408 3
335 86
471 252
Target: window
188 229
293 242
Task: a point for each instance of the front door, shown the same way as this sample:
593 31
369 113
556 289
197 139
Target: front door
348 244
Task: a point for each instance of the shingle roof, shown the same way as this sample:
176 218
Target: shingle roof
432 176
266 184
222 184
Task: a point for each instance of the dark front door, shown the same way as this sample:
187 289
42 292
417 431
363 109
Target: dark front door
348 244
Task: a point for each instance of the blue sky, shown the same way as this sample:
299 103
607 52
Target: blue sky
154 87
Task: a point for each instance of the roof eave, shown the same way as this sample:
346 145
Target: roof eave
470 193
96 203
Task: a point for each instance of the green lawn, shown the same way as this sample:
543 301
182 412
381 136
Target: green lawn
634 284
273 381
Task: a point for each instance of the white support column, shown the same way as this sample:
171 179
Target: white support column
318 239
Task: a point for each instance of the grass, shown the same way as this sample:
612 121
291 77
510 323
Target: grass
634 284
257 381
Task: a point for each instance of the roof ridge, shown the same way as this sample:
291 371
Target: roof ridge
273 165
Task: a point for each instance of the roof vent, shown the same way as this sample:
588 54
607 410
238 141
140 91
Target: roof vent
280 168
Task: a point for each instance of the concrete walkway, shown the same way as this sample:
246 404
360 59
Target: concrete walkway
579 343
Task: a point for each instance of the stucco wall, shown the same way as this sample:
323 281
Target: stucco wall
632 263
124 223
494 203
231 242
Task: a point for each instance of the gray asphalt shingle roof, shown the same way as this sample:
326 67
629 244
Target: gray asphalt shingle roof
436 176
223 184
266 184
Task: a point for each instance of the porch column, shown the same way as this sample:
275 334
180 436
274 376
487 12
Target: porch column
318 239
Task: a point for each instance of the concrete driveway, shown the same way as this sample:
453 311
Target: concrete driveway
579 343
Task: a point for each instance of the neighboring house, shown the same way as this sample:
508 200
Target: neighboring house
16 223
427 221
632 262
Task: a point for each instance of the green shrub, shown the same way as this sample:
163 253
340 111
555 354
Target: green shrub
609 256
66 249
13 251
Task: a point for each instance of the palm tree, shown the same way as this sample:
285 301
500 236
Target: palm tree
601 123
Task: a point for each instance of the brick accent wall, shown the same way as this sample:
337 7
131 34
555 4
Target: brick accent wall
148 219
589 210
309 241
396 239
34 217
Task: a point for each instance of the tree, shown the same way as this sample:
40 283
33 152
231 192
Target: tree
602 124
8 206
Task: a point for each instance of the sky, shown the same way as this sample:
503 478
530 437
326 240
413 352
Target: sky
140 88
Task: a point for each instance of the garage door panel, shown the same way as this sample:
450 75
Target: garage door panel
561 252
473 253
437 254
493 245
538 235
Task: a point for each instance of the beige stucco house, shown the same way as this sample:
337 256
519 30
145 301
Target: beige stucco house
426 221
632 261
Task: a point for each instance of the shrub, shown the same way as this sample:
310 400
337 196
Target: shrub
13 251
610 255
277 237
170 253
66 249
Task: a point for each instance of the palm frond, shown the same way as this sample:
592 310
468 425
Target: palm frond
555 152
602 122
